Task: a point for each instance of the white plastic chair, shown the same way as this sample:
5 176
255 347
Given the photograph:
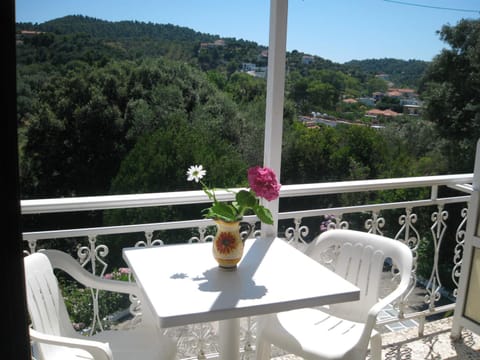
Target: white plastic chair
341 331
52 333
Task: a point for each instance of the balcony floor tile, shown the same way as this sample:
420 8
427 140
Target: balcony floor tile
434 345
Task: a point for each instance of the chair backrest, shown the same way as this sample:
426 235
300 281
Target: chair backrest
363 259
45 303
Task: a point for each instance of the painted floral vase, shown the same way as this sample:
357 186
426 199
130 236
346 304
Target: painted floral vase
227 244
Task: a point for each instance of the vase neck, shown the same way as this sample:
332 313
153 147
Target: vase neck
227 223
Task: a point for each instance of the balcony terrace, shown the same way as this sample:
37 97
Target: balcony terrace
431 221
429 214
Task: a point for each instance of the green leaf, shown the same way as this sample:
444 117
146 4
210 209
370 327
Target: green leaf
263 214
223 211
246 199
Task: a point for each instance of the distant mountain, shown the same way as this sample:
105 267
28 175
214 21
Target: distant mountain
138 39
119 30
134 39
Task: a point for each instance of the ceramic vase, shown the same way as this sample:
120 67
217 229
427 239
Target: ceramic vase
227 244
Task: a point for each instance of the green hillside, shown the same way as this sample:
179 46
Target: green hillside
92 37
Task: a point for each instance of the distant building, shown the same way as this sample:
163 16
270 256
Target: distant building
261 72
30 33
219 42
307 59
249 67
254 70
393 93
408 92
413 110
377 112
378 95
209 45
402 93
383 76
367 101
24 34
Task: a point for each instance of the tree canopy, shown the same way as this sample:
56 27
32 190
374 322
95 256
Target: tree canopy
126 107
451 90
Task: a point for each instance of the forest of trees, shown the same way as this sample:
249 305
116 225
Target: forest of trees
126 107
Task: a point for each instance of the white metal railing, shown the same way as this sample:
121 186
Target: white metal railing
194 197
294 227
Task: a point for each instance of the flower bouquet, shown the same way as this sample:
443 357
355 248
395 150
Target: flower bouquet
227 243
263 184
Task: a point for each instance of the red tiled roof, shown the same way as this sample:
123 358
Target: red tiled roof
387 112
394 93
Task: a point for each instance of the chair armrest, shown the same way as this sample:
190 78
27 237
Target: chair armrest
377 307
382 303
65 262
99 350
394 295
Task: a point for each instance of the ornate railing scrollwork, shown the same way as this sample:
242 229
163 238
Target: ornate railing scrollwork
295 236
32 245
94 254
374 224
333 221
409 235
202 236
458 251
438 231
149 241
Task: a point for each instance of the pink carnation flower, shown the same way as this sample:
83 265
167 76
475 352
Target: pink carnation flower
263 182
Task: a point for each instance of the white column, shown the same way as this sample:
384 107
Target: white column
275 99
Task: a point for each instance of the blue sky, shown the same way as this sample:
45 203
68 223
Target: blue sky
338 30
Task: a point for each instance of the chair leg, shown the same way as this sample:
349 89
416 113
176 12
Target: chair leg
376 347
262 350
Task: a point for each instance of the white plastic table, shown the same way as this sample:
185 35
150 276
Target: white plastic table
184 285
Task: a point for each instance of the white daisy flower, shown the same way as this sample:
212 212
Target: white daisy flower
196 172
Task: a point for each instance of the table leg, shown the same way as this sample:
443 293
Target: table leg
229 339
